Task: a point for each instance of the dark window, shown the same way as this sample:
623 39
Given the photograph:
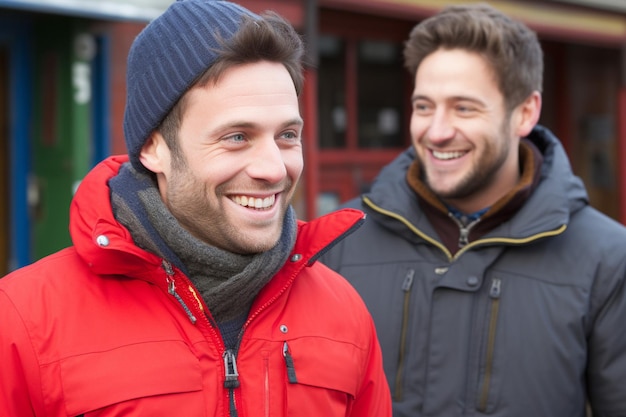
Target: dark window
380 95
332 100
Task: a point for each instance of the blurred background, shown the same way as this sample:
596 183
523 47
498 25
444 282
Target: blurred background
62 96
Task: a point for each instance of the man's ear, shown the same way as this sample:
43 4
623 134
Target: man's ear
155 154
526 115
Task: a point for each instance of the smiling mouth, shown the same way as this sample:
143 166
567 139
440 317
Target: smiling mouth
255 202
447 155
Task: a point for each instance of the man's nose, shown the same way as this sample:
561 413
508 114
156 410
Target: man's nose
441 127
267 161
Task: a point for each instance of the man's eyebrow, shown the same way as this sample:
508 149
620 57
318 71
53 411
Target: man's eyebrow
245 124
416 97
466 98
295 121
448 99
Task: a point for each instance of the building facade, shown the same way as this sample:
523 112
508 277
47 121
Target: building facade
62 94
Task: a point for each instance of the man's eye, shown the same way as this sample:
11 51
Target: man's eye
421 107
289 135
465 109
237 137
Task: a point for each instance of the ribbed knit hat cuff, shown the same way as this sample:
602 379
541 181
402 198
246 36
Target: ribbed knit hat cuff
167 57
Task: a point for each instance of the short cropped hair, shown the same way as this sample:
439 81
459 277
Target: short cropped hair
510 48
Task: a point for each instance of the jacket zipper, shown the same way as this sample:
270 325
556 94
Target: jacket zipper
230 357
231 380
171 288
231 377
407 284
494 294
464 229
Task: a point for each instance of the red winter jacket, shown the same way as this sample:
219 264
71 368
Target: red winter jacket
99 329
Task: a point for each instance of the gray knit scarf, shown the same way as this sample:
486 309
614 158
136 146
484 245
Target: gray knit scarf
228 282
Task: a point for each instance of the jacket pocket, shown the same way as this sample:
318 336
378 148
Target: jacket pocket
393 303
398 383
165 371
487 383
321 376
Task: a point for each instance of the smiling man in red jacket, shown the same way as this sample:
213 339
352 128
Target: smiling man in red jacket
191 288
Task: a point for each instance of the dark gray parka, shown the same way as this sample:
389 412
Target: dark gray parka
527 321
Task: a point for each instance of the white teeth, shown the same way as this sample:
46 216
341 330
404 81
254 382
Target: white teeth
253 202
447 155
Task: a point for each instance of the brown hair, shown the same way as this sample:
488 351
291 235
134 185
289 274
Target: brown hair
270 38
509 47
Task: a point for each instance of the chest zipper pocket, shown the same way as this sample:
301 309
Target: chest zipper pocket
485 387
407 284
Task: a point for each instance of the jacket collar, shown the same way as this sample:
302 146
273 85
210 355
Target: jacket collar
107 247
558 194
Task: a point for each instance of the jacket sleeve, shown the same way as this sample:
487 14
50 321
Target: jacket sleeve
19 396
374 397
606 370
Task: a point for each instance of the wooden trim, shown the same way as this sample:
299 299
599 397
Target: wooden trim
559 21
352 105
621 152
291 10
358 157
310 143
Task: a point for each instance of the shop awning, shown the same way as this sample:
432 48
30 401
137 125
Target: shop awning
139 10
603 22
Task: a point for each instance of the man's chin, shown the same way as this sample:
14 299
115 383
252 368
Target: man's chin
250 246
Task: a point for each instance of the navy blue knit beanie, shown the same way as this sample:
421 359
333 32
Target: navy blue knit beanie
167 57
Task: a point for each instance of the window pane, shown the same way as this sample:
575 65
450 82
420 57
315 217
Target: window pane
332 102
380 89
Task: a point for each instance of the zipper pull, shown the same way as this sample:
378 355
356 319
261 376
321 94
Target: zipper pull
408 280
463 236
171 288
167 267
291 370
464 228
494 291
230 366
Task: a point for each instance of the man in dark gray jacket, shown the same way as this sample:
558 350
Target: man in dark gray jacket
496 289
